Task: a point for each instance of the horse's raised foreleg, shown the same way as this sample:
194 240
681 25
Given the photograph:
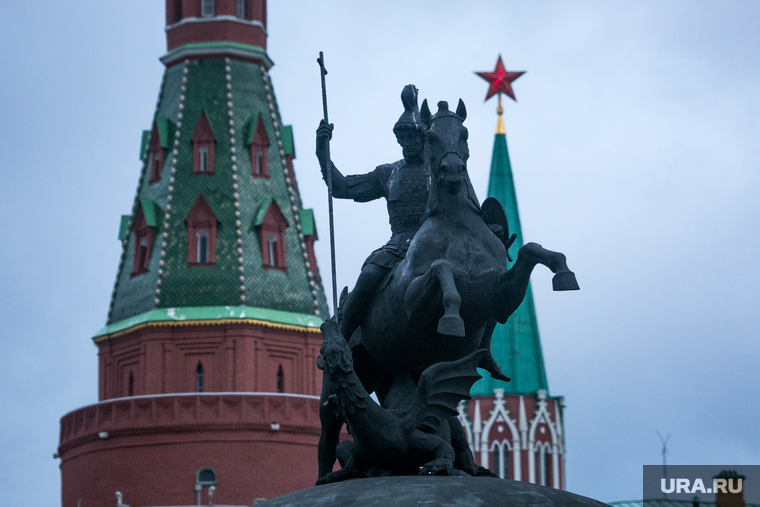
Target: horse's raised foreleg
428 290
514 282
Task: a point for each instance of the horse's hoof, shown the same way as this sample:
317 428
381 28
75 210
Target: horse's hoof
565 281
451 326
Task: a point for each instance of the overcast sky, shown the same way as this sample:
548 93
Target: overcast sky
635 147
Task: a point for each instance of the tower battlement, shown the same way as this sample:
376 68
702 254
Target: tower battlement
216 28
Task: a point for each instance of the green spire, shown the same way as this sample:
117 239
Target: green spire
515 345
228 104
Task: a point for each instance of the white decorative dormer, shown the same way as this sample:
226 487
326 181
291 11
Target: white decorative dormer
500 419
532 441
542 418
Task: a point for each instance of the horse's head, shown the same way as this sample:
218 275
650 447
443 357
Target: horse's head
447 145
447 153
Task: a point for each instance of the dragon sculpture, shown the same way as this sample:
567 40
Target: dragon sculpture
416 431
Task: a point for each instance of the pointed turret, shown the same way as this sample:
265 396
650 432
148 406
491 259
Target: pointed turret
523 438
515 345
217 136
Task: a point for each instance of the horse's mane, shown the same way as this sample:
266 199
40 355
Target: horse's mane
434 199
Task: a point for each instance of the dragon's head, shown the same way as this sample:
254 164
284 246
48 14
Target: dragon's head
335 353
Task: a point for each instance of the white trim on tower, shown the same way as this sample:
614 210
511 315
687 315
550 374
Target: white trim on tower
499 414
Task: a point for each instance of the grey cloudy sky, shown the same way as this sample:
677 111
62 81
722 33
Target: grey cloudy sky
635 147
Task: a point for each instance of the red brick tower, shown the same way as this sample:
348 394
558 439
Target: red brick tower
207 370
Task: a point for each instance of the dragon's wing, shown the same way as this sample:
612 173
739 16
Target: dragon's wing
441 388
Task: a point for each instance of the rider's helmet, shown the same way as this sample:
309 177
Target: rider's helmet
410 118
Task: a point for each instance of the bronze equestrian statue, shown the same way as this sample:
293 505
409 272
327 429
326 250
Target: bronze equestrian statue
439 299
435 307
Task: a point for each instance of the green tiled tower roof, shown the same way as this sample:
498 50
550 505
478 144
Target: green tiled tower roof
232 94
515 345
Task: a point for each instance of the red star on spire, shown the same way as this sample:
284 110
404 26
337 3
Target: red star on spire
500 81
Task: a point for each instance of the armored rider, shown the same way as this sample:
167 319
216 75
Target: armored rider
404 185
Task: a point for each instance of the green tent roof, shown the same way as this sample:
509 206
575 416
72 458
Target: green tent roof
515 345
234 194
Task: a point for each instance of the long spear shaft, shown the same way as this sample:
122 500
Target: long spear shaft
323 72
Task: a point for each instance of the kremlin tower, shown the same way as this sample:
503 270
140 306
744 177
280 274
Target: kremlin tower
514 428
207 370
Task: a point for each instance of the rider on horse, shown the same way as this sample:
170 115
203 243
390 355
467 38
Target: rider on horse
404 185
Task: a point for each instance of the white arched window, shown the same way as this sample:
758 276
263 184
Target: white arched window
142 252
202 246
207 8
205 476
156 167
497 459
259 163
201 234
500 455
203 153
504 460
272 249
544 464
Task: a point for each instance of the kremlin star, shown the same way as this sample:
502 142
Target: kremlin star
500 80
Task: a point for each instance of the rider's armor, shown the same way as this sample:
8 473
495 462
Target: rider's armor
405 187
407 200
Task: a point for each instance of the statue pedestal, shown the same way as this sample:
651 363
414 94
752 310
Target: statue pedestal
435 491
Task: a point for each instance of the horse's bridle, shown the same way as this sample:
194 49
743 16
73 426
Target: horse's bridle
444 156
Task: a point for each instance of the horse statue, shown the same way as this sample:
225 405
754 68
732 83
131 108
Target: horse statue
437 302
441 303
